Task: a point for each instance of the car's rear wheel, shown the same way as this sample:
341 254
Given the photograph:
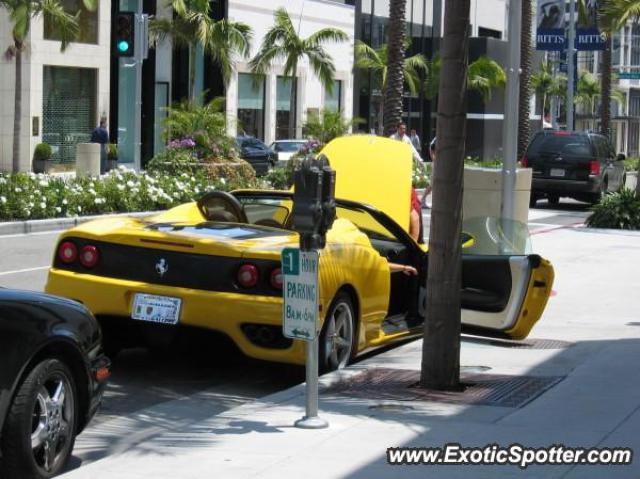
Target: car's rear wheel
337 339
40 428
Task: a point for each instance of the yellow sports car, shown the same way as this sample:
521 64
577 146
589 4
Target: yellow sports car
215 264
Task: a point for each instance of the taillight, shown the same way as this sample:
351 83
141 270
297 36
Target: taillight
89 256
594 167
248 275
67 252
276 278
524 162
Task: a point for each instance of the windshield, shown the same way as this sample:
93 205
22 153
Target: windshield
251 143
560 144
287 146
496 236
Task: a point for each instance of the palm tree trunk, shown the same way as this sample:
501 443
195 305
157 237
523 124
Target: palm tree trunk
395 71
441 346
293 107
605 68
192 73
524 127
17 109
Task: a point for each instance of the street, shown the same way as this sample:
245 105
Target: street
215 372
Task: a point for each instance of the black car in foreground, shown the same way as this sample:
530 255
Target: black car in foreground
52 376
575 164
256 153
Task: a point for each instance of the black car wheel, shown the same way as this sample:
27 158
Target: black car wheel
337 340
40 428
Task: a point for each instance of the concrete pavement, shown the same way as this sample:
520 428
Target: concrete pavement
589 347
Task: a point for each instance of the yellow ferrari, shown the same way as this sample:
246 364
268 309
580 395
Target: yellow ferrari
215 264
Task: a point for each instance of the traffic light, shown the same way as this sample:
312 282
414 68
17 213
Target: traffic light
125 34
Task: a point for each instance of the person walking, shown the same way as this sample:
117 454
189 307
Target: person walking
415 140
401 135
101 135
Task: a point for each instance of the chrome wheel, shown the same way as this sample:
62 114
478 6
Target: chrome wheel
337 336
52 422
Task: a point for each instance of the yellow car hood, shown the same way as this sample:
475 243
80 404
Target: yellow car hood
375 171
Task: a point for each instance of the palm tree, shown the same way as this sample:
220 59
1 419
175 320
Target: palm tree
192 26
483 75
441 346
394 87
21 14
546 84
376 61
526 52
282 42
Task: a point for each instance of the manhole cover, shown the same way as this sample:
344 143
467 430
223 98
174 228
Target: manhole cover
634 323
482 389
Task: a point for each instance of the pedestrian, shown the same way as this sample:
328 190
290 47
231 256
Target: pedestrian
401 135
415 140
432 157
101 135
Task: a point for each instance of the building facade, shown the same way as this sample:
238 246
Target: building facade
63 93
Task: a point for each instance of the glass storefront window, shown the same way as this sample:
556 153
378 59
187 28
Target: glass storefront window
285 109
332 99
251 105
68 109
87 20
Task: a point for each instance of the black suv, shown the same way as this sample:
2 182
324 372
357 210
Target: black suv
259 155
576 164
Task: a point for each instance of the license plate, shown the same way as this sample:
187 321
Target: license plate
156 309
556 172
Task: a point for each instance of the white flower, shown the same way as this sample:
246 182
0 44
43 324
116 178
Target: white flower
223 181
64 202
120 187
27 212
43 205
3 200
18 189
92 192
44 183
2 180
79 208
130 184
58 209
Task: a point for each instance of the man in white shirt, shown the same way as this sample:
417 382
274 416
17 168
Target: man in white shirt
401 135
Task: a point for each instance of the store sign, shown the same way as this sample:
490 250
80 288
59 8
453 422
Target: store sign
589 39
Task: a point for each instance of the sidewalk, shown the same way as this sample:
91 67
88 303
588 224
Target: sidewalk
583 372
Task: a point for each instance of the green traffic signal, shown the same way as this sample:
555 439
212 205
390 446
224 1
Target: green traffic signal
123 46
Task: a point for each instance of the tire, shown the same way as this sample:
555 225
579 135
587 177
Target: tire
38 414
337 339
553 200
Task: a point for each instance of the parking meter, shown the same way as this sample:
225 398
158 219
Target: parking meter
313 202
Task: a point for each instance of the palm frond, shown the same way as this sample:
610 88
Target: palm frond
327 35
64 23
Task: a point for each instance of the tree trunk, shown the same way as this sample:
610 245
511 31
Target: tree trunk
441 346
380 129
395 72
192 74
293 104
524 126
605 69
17 108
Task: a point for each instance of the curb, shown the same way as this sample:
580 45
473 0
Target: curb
56 224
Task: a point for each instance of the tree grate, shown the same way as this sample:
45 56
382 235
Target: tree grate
479 389
526 344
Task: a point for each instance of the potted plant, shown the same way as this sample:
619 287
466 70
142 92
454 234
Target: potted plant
112 156
41 158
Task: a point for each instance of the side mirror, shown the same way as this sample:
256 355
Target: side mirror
621 157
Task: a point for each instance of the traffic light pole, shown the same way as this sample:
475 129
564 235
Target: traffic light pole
571 65
141 51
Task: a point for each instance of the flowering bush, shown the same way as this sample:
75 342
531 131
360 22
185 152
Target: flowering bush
30 196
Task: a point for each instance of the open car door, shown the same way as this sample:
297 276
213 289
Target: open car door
505 287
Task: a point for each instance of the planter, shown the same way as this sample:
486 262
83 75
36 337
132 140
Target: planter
632 180
41 166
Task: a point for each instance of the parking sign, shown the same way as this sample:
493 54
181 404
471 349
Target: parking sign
300 294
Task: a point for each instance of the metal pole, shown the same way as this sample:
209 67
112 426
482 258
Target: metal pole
570 63
510 122
311 419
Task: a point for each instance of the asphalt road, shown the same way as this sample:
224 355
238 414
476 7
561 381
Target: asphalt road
208 369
